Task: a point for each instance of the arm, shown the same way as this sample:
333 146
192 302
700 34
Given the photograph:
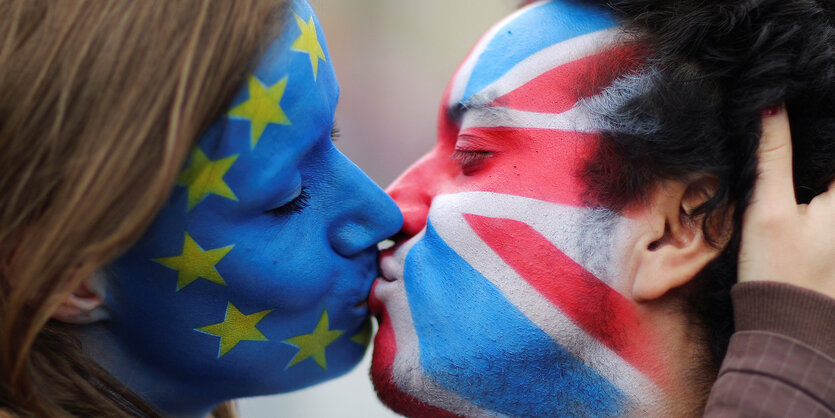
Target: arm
781 360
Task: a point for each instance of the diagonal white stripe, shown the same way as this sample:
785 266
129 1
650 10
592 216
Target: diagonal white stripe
462 77
575 119
547 59
407 372
447 219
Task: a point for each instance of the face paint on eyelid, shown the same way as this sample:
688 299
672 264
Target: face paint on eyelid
289 197
470 161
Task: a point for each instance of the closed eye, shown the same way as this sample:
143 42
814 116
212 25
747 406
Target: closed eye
470 161
294 206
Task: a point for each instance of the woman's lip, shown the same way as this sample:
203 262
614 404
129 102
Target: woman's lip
374 304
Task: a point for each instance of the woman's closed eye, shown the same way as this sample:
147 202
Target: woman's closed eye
470 161
301 201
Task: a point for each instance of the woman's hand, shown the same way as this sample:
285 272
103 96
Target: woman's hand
781 240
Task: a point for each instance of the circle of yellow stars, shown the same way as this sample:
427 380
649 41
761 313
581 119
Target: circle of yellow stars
204 177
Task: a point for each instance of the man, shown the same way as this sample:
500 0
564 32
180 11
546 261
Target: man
565 251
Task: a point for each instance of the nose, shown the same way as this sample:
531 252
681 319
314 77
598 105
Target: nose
363 213
413 191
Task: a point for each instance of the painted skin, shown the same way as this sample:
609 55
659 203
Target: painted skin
505 294
253 278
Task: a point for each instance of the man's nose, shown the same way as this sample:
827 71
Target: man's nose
365 214
413 191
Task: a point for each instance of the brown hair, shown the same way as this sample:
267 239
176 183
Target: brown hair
100 102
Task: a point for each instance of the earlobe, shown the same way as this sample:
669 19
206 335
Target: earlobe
86 303
672 248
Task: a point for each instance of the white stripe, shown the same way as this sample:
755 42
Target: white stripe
456 232
462 77
566 227
546 60
407 372
575 119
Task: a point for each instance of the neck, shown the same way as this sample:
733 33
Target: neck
171 396
686 362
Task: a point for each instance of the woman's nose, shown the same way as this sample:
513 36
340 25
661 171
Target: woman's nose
413 191
364 213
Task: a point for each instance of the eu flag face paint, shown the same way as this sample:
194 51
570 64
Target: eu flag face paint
506 297
253 277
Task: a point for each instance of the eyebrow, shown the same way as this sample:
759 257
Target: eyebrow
456 111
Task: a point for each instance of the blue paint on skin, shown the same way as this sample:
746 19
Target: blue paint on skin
564 20
296 264
497 358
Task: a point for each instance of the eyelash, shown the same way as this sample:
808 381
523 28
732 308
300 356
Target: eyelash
294 206
335 134
469 161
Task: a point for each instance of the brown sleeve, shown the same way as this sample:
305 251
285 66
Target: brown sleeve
781 360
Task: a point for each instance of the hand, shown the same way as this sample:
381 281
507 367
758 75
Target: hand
781 240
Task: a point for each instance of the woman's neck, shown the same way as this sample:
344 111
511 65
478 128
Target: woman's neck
168 394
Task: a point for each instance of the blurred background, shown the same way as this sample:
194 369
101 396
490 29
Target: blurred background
393 59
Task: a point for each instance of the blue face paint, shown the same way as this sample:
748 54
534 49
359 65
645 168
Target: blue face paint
253 278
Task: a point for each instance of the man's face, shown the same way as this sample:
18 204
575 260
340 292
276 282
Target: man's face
505 295
253 277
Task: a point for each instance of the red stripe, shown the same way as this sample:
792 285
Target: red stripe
543 164
559 88
590 303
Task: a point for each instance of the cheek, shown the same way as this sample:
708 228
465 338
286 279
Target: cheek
285 266
475 341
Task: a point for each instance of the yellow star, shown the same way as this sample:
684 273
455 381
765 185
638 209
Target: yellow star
236 327
363 337
313 344
204 177
194 263
262 107
308 42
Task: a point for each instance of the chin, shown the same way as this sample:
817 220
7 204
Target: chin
382 375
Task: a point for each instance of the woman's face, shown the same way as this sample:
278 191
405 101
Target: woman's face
253 277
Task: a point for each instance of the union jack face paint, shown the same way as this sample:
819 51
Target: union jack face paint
506 295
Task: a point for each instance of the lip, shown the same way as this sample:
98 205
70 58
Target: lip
387 265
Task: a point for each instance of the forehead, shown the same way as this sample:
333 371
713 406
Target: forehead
287 101
528 43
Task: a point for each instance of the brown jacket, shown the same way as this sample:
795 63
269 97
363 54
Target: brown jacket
781 360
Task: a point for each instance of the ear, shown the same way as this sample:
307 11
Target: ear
86 303
672 248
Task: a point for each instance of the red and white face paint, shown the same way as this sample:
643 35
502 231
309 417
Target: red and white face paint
506 294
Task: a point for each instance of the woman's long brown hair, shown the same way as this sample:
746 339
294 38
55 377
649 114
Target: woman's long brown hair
100 102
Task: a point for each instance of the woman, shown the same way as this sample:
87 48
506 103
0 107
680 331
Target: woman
170 239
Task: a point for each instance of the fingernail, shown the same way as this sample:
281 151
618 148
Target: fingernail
770 111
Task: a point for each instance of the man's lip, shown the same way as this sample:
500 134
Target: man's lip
384 263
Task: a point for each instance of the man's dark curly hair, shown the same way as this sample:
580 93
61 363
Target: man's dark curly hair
693 106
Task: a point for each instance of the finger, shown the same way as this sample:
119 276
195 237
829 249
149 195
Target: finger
774 155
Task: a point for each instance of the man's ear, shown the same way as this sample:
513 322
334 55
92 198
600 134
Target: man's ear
86 303
672 247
